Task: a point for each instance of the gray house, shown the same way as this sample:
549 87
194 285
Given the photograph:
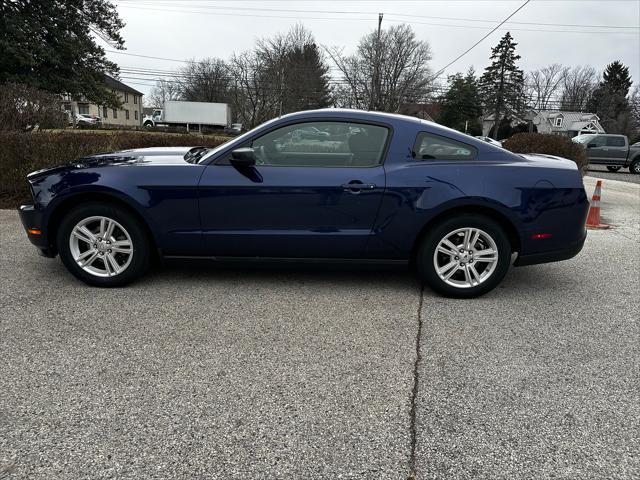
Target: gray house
568 124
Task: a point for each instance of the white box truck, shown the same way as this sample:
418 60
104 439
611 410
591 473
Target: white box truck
193 115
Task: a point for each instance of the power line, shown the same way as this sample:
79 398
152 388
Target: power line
298 17
360 12
439 72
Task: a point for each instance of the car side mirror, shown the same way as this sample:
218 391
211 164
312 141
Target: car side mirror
243 157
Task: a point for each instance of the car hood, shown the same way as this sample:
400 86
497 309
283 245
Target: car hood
139 156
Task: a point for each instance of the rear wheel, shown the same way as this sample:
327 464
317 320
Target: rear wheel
635 166
464 256
613 168
103 245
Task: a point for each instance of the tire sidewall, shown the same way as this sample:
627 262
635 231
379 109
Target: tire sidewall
439 231
635 166
139 262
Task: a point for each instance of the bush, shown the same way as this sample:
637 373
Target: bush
24 152
550 145
23 108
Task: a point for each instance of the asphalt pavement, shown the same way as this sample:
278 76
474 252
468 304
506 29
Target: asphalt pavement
622 175
314 373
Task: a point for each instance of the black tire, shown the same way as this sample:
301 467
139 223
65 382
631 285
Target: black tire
141 247
635 166
425 257
613 168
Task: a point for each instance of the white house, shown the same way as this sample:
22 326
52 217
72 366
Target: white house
568 124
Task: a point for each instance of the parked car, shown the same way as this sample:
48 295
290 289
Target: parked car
400 190
309 132
233 129
611 150
490 140
85 120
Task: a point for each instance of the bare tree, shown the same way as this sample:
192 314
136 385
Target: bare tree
543 85
251 96
206 80
163 91
577 87
634 106
284 73
397 62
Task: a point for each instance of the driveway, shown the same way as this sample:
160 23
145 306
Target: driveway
309 373
622 175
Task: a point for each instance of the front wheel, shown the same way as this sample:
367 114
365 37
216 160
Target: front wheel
103 245
613 168
464 256
635 166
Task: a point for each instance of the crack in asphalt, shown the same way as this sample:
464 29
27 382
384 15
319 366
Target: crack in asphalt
414 393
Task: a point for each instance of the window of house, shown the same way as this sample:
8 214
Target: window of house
558 122
104 112
135 99
322 144
126 114
126 97
115 113
83 108
437 147
615 142
135 114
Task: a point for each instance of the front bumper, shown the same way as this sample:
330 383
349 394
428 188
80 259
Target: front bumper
552 256
31 219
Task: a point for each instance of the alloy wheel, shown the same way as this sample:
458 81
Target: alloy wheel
466 257
101 246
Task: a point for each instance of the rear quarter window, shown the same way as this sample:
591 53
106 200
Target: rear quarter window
615 142
436 147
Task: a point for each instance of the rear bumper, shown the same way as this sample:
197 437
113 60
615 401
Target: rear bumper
552 256
31 219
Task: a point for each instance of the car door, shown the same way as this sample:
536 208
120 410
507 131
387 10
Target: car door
306 196
596 149
615 150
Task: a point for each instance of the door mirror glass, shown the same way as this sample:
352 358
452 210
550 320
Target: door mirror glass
243 157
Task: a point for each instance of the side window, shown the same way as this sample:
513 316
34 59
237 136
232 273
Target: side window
598 141
436 147
322 144
615 141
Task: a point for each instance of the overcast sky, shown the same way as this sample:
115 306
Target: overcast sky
588 32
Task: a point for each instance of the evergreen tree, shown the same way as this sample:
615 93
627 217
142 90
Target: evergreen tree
461 105
306 79
50 45
293 72
609 99
502 83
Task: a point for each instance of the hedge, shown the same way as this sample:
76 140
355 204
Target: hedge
550 145
24 152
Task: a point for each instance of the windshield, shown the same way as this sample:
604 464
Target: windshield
583 138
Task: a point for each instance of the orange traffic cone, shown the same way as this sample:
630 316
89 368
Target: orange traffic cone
593 219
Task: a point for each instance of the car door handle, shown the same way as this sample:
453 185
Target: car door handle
356 187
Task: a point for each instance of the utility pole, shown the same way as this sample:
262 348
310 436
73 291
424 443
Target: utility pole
375 91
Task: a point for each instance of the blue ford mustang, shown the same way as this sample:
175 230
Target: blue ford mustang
325 184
